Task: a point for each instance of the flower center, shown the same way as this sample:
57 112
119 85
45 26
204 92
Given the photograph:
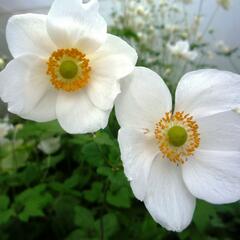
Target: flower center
178 136
68 69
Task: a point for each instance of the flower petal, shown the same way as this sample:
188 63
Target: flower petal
115 58
77 114
137 152
207 92
76 24
220 132
27 34
27 90
167 199
104 85
103 91
213 176
144 100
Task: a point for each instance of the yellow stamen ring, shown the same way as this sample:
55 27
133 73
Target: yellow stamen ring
68 69
178 136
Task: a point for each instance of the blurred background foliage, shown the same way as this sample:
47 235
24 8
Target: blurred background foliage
59 186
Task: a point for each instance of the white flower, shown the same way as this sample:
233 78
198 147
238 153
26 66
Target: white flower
50 145
65 66
182 50
170 158
223 48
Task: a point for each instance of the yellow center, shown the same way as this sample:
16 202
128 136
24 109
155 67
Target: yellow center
68 69
178 136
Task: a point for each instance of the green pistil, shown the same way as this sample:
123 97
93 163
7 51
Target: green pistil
68 69
177 136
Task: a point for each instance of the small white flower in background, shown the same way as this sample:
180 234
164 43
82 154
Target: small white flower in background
182 50
224 3
223 48
171 157
50 145
65 66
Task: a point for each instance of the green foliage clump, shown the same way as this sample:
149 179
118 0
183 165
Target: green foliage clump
80 192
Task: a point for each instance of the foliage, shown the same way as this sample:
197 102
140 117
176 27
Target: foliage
81 192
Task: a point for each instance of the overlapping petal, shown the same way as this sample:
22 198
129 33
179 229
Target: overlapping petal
213 176
144 100
206 92
103 91
26 88
27 34
76 24
167 199
138 151
77 114
114 60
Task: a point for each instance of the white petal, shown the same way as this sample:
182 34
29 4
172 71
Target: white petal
76 24
213 176
103 91
220 132
137 153
144 100
168 200
207 92
27 89
183 46
77 114
115 58
27 34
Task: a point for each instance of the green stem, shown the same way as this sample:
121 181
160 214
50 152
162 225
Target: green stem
210 21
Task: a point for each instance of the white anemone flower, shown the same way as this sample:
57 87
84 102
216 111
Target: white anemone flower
65 66
50 145
182 50
171 157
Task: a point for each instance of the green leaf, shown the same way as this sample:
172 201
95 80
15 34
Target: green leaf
5 213
77 235
204 212
73 181
121 198
95 193
102 138
5 216
32 201
84 218
92 155
4 202
110 225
